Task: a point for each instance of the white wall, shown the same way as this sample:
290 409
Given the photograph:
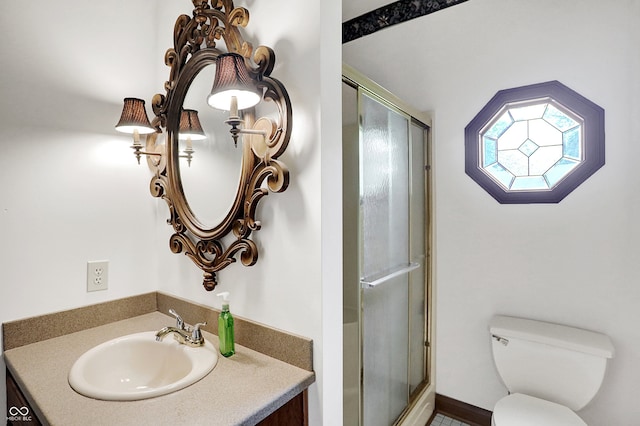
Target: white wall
574 262
72 192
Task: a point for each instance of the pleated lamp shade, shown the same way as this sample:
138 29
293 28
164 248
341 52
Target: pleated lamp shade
190 126
232 79
134 117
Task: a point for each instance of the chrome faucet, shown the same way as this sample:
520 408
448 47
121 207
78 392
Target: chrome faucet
184 334
179 321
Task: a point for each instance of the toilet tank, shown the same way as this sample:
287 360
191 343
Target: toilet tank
558 363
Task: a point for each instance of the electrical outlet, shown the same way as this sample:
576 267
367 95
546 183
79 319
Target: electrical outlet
97 275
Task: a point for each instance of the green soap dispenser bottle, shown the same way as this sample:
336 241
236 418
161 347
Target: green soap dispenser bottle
225 327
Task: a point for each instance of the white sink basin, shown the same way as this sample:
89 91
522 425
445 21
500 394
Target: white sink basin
138 367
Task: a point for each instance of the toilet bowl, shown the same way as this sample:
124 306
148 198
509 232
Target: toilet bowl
523 410
550 370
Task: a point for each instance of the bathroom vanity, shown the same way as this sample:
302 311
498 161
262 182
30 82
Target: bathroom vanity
264 383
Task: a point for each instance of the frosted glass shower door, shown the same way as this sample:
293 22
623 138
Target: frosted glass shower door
385 260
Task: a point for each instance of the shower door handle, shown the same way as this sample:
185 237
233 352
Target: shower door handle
371 283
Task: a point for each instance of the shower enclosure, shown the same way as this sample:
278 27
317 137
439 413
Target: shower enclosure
386 256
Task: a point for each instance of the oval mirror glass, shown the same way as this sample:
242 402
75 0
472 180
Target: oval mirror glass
210 178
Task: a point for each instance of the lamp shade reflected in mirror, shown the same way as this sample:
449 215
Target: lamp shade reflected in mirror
190 127
232 80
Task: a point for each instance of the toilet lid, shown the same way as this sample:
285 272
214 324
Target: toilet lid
523 410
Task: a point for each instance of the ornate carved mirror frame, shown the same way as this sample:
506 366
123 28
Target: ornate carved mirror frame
214 248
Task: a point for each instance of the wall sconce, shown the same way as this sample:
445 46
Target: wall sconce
233 90
134 120
190 130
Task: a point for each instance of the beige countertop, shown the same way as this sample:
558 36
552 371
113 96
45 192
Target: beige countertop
241 390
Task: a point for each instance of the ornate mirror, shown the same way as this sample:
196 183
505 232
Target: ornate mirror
213 158
206 148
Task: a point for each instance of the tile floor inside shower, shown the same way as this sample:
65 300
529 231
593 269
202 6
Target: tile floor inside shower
442 420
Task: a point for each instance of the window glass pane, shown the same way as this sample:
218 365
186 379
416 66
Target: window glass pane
559 119
502 175
499 126
528 147
514 161
490 151
528 113
571 140
529 183
560 170
514 136
543 133
543 159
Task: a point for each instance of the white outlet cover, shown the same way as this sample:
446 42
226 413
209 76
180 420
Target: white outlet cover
97 275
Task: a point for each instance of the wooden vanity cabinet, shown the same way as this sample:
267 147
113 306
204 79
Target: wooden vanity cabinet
19 411
293 413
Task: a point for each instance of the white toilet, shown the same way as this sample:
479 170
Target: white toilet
550 370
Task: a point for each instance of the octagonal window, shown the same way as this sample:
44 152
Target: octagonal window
531 147
535 144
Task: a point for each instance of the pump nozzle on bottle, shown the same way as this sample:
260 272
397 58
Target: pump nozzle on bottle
225 297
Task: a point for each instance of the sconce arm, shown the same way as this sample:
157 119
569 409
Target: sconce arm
253 132
234 121
138 152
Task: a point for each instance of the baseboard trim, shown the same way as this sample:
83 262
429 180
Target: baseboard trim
462 411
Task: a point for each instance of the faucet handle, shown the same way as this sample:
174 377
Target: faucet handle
179 320
196 334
